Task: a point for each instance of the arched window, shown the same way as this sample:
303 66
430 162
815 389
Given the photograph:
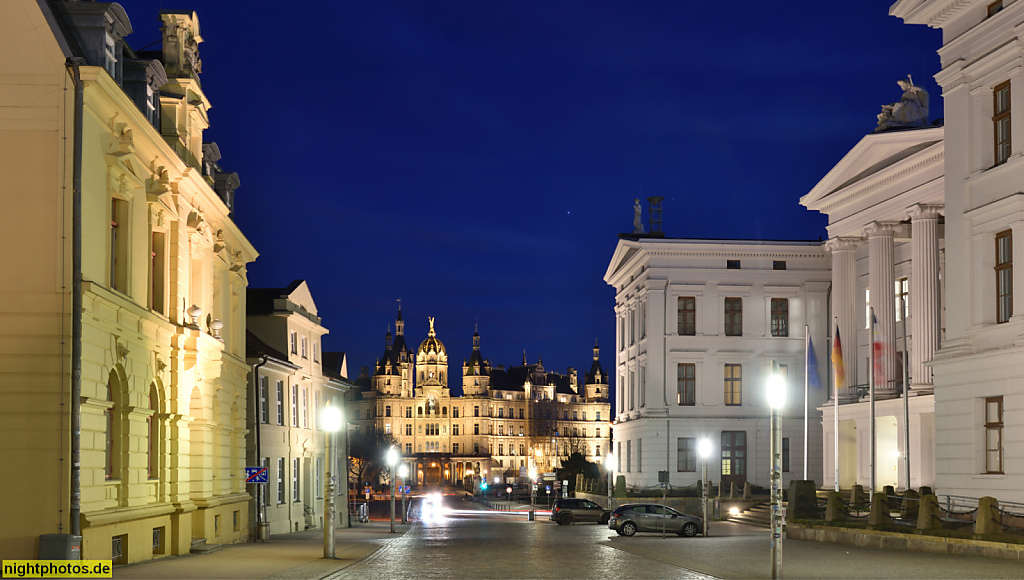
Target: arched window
419 411
153 432
444 411
112 463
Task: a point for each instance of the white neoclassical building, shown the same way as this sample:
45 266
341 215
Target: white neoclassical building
699 324
884 201
979 368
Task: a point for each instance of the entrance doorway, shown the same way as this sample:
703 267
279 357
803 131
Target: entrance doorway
734 458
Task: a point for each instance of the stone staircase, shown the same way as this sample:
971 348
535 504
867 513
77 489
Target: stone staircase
199 546
758 516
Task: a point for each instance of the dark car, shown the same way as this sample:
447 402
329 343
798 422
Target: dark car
629 519
568 510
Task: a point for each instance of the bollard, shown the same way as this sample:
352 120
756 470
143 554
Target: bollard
532 516
911 505
928 517
988 520
879 515
835 511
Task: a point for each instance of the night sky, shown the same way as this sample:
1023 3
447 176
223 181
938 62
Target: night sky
477 159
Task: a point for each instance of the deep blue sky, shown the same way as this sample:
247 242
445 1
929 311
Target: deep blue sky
478 158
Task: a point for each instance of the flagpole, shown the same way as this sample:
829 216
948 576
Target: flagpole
871 406
835 402
906 396
807 338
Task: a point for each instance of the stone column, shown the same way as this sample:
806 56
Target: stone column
844 309
924 292
881 281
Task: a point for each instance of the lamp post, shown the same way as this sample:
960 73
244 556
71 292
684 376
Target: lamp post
704 450
331 421
403 472
533 487
776 400
392 459
609 464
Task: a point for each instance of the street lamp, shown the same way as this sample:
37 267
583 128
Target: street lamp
403 472
609 464
533 486
776 391
331 420
704 450
392 459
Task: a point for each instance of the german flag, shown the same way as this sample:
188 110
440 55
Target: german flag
837 362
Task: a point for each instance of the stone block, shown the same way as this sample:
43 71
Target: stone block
890 495
857 496
746 490
911 505
925 490
732 489
835 511
988 520
803 500
928 517
879 515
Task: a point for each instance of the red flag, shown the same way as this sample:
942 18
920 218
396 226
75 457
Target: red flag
877 351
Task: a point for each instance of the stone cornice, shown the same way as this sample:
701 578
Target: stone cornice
873 183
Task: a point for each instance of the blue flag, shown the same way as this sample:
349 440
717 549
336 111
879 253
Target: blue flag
812 366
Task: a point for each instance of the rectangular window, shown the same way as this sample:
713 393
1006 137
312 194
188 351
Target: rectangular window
303 347
1004 276
733 384
280 480
642 315
686 454
785 454
902 299
476 411
408 428
778 264
295 405
408 448
157 273
639 455
686 384
734 317
280 402
455 448
632 390
622 332
780 317
686 320
734 453
264 400
119 245
643 386
316 409
476 428
732 264
1001 122
632 327
994 435
455 412
295 480
408 412
629 456
305 408
295 343
387 410
316 351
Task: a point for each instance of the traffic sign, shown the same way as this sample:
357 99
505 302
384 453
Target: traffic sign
255 474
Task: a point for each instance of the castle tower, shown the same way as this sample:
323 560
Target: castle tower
596 385
476 373
432 365
387 375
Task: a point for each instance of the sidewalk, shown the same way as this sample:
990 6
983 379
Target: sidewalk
295 556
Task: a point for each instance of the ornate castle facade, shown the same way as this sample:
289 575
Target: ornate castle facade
502 425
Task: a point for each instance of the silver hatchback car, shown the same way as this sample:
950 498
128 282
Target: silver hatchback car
629 519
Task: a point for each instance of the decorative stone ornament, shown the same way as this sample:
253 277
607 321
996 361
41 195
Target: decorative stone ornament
194 313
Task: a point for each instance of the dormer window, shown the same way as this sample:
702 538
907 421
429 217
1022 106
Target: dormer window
110 60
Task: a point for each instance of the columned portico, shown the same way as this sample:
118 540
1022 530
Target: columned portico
881 280
924 292
844 307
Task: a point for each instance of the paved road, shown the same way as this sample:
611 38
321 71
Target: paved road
471 543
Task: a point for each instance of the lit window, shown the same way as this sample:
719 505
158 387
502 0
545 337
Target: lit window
686 374
733 384
1001 122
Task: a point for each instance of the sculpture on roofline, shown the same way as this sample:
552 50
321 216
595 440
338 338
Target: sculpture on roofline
638 225
910 111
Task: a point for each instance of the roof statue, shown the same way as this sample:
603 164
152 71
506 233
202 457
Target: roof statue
910 111
638 225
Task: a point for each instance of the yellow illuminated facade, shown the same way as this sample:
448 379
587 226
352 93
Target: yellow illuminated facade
163 369
506 422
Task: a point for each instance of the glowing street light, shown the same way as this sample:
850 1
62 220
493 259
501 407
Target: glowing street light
392 460
776 391
609 464
403 472
704 450
331 421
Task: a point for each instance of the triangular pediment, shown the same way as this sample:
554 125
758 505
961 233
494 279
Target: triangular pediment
624 252
877 155
301 296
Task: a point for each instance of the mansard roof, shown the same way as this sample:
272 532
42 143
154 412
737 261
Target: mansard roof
256 348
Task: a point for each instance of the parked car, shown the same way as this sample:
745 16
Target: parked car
568 510
629 519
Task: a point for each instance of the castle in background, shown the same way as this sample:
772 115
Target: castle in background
505 423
